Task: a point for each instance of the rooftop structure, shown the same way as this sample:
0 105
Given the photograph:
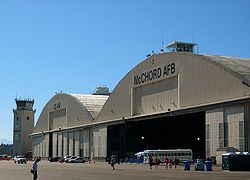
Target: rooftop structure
24 104
101 90
181 47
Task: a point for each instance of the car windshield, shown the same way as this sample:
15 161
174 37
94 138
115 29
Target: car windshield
20 157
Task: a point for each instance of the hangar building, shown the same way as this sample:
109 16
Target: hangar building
170 100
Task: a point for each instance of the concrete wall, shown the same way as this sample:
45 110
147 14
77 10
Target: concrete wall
22 127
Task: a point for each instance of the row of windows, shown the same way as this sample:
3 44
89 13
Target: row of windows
223 135
223 130
27 118
170 154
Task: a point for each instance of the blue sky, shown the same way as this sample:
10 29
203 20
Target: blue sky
76 45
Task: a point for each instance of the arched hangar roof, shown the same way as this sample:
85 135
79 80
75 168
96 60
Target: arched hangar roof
69 110
177 80
93 103
239 67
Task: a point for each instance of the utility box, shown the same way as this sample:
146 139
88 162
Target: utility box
238 161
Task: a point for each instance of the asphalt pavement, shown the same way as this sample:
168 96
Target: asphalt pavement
102 171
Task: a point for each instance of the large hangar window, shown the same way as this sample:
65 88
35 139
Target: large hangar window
155 97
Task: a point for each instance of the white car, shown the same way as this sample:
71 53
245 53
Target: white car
77 160
20 159
69 159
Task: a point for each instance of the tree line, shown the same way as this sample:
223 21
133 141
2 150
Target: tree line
6 149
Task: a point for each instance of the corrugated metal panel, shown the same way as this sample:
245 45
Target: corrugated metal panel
93 103
233 116
240 67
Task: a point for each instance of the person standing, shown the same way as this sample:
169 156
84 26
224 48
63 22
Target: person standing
176 162
170 162
151 162
113 161
35 168
166 162
156 162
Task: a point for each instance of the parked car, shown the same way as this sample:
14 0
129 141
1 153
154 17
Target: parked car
5 157
55 159
77 160
65 158
68 159
20 159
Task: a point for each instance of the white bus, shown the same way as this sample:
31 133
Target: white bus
161 154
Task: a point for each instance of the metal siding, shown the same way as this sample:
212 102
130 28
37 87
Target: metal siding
156 97
85 140
54 148
77 143
60 139
100 141
70 143
46 149
213 118
233 116
65 143
203 82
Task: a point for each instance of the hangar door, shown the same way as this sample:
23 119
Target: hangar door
156 97
175 132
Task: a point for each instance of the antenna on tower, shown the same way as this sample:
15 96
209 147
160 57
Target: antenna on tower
162 37
162 45
193 35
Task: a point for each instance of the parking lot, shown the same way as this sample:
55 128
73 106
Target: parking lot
100 170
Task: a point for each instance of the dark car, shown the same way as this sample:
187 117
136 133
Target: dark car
55 159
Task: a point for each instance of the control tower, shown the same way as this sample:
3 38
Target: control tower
23 126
